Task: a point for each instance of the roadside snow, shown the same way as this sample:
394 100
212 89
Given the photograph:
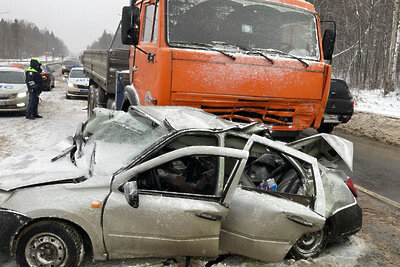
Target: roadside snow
373 101
376 116
60 120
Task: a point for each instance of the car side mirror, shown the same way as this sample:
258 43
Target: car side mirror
132 194
328 44
130 25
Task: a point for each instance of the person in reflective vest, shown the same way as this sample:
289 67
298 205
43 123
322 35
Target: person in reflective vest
34 83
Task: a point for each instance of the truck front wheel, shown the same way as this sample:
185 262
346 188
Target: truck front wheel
326 128
92 99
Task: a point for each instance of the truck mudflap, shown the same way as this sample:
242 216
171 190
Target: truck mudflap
345 222
11 222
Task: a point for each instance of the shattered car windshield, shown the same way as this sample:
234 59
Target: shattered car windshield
113 143
252 24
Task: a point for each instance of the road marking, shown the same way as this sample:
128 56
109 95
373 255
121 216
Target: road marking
377 196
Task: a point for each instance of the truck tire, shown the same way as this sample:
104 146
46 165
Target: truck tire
92 99
101 98
326 128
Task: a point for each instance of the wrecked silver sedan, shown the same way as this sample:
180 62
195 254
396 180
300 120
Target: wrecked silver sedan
174 181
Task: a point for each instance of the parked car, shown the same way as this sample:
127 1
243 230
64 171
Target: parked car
13 90
339 108
21 65
174 181
78 83
68 64
48 80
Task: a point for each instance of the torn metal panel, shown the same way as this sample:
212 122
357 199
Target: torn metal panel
258 225
330 147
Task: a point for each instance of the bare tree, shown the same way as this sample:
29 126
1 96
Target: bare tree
390 81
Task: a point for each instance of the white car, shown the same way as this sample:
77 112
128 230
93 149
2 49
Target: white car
13 90
174 181
78 83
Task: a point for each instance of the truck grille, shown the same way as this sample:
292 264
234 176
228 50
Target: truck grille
266 115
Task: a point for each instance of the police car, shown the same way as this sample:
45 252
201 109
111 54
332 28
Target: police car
78 83
13 90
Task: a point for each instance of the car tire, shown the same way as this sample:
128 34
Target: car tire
310 245
326 128
49 243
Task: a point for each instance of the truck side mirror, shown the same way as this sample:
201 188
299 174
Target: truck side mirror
130 25
132 194
328 43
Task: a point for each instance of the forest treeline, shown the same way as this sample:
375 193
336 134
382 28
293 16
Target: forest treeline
103 42
364 29
21 40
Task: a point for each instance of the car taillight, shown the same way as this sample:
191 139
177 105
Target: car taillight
351 186
352 104
44 75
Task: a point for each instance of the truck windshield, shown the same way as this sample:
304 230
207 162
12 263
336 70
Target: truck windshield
252 24
12 77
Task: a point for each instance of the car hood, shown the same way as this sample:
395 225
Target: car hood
6 88
36 167
326 148
80 81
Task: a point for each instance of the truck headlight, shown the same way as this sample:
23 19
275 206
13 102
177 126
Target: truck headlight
21 95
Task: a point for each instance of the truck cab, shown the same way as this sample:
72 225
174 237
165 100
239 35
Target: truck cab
243 60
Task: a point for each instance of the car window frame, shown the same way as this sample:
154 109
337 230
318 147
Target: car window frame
129 175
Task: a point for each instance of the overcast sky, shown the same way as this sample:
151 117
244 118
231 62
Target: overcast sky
77 22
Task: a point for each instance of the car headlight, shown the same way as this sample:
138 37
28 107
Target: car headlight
21 95
70 85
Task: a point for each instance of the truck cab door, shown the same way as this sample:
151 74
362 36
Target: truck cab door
146 57
175 215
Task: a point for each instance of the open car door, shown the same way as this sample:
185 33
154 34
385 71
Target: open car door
263 224
182 198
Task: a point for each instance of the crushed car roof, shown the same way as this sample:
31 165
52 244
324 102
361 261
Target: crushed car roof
181 118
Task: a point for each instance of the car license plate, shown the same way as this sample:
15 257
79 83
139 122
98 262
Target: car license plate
331 116
84 91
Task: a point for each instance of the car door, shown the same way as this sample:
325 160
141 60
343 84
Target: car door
264 225
172 221
146 57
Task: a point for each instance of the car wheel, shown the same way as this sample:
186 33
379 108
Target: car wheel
326 128
310 245
49 244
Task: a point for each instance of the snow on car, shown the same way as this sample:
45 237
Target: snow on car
175 181
78 83
13 90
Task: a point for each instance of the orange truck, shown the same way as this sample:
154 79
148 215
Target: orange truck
244 60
